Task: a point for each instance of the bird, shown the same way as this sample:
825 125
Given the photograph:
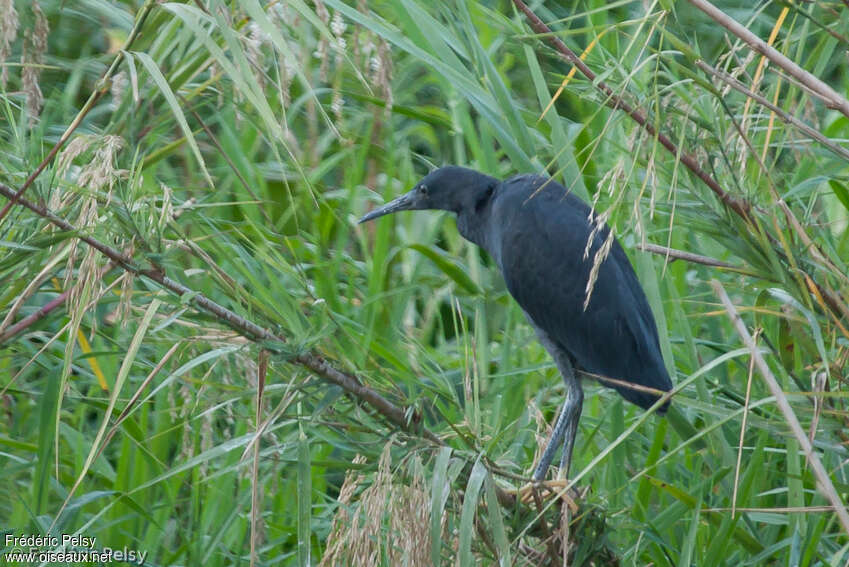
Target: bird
544 240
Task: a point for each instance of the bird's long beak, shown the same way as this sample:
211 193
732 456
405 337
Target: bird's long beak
403 203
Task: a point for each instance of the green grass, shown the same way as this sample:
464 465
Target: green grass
240 175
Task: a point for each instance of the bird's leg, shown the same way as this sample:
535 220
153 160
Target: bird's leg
564 431
551 446
566 426
572 410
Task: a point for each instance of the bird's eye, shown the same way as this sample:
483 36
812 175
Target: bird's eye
423 189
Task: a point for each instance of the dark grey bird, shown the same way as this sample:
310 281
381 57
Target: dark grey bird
545 239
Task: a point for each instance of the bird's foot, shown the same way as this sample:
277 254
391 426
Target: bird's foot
546 489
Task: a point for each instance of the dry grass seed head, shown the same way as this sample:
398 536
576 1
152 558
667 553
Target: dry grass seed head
358 535
126 299
323 45
254 41
35 46
337 541
98 173
88 272
101 172
607 183
336 105
599 221
409 510
381 68
542 431
73 149
600 256
366 548
357 540
117 89
8 33
287 72
338 27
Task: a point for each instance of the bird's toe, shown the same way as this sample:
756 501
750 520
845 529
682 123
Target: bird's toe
543 490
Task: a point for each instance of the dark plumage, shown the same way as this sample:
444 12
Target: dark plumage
537 233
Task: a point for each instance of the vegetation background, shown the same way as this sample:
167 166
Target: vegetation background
226 149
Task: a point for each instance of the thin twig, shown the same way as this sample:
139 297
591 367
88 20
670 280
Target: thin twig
43 311
32 287
686 256
784 116
832 98
34 317
743 432
824 484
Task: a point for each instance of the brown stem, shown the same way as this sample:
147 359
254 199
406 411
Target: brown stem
832 98
33 318
784 116
614 101
686 256
350 383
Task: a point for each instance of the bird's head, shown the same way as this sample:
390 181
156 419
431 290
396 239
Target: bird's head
449 188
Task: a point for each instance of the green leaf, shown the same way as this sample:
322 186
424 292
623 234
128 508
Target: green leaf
493 508
470 507
304 496
449 267
440 488
165 89
840 191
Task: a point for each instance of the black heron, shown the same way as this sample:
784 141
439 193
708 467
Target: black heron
537 233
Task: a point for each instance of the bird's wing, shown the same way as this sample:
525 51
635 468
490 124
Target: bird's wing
541 252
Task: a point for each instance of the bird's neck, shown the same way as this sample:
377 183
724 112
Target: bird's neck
474 229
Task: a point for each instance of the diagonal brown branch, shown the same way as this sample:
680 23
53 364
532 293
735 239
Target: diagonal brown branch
784 116
404 418
832 98
686 256
311 360
614 101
